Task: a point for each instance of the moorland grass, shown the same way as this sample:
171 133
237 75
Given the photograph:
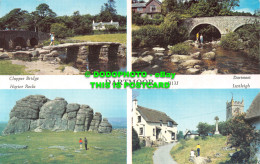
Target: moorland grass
103 148
209 147
143 155
7 68
119 38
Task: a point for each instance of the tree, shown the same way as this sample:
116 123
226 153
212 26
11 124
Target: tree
14 19
60 30
135 140
108 11
180 135
224 128
204 128
244 136
43 10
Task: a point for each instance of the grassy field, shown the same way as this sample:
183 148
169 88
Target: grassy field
120 38
7 68
209 147
103 148
143 155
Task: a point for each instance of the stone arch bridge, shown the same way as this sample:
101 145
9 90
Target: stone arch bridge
11 39
224 24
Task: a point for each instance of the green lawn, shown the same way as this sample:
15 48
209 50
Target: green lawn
7 68
120 38
209 147
103 148
143 155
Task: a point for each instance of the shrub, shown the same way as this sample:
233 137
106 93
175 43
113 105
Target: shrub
181 48
231 42
135 140
60 30
196 138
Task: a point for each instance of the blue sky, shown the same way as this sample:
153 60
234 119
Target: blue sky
61 7
248 6
111 103
188 107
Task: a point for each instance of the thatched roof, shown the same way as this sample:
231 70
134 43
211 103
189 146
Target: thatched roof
254 110
154 116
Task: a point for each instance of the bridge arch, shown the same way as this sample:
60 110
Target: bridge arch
196 28
19 41
4 44
33 42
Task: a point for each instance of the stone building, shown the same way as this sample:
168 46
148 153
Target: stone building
253 117
149 8
153 125
234 108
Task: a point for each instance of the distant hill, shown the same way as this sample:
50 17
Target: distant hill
118 123
2 127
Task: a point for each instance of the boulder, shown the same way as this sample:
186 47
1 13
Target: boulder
210 72
95 122
13 146
22 55
145 53
196 55
193 71
209 56
4 56
201 160
71 71
148 59
191 63
159 49
35 54
16 125
53 54
84 117
139 63
159 54
43 51
179 58
73 107
105 126
53 109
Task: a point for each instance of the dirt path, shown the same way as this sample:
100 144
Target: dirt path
45 68
162 155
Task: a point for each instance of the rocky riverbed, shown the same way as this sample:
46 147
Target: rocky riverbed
208 58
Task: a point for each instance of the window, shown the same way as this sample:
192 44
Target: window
141 131
152 8
153 132
161 122
139 118
139 9
173 136
170 123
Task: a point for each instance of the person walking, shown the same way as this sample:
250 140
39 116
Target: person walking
192 155
198 149
201 39
80 143
86 143
52 38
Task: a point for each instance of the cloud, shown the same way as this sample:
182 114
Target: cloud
246 10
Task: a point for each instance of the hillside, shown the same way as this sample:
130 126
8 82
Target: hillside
103 148
210 147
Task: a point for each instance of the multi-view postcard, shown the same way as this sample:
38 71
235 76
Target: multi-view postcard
196 126
196 36
46 37
63 126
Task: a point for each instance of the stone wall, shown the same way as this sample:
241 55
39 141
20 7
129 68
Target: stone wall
36 112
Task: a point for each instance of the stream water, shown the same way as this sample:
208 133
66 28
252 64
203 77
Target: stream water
227 62
117 65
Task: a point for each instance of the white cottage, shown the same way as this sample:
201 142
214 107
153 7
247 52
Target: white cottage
102 25
153 125
253 116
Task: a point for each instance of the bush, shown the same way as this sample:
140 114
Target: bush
196 138
60 30
135 140
231 41
181 49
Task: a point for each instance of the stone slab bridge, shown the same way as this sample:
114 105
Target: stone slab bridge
78 54
224 24
11 39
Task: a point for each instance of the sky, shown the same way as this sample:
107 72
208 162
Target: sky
188 107
111 103
61 7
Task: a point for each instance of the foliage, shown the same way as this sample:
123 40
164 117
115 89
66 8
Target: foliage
231 41
180 135
180 48
223 127
196 138
209 147
60 30
111 28
250 34
244 136
135 140
103 148
143 156
204 128
14 19
137 19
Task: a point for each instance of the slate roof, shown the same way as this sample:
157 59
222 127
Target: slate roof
254 109
106 23
154 116
139 5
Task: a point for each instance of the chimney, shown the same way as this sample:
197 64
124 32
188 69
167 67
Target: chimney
135 104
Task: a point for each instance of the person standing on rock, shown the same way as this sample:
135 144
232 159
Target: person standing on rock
197 37
52 38
192 155
80 143
198 149
201 38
